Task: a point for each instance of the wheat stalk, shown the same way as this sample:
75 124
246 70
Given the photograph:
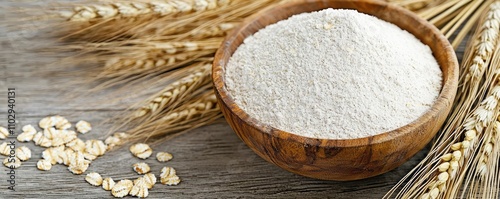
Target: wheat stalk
135 9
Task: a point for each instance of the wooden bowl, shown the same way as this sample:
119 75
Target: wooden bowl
348 159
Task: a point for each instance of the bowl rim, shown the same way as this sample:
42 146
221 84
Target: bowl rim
447 92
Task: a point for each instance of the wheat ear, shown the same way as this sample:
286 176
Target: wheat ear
485 44
487 150
177 91
191 114
122 66
454 161
135 9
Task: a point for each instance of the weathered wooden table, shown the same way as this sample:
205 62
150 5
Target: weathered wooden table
211 161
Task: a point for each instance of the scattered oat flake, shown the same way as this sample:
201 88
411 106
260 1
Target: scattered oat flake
23 153
150 180
62 124
57 141
45 142
4 148
94 178
77 163
67 155
77 145
169 177
26 136
4 133
46 122
121 135
29 128
83 126
53 154
69 136
37 137
89 156
48 132
139 189
95 147
163 156
122 188
108 184
44 165
112 141
141 150
79 168
141 168
12 162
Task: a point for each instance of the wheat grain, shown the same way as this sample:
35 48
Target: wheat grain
135 9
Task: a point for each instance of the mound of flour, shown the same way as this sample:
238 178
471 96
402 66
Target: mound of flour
333 74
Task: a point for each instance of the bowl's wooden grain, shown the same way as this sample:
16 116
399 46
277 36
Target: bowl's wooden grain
339 159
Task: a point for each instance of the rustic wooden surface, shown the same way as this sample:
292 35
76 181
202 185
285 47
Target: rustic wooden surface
212 161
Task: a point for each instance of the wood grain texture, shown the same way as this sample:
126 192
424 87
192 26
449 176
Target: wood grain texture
339 159
212 161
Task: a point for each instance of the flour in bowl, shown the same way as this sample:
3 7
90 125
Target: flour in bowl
333 74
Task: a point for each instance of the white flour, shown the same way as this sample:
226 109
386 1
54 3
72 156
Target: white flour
333 74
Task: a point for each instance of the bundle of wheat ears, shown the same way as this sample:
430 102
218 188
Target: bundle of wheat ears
175 40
